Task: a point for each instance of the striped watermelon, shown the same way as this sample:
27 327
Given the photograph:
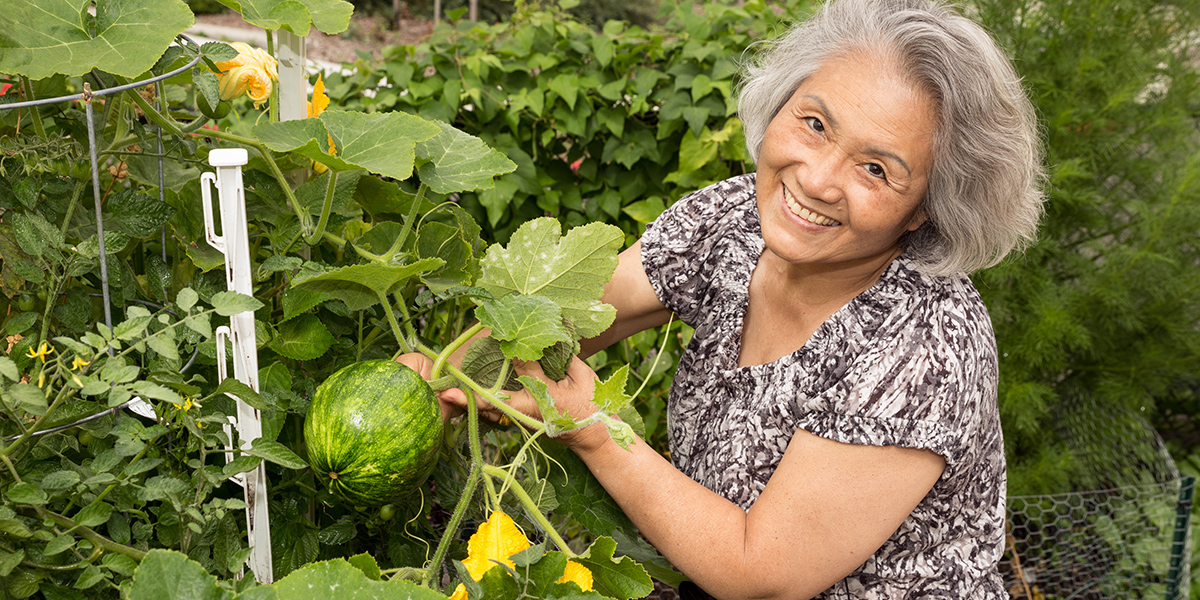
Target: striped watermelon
373 432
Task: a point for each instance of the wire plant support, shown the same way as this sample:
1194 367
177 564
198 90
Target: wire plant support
233 242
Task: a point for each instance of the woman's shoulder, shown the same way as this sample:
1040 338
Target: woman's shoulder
720 208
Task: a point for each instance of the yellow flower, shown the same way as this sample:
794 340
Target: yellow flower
187 404
498 539
250 72
78 364
43 350
318 105
578 573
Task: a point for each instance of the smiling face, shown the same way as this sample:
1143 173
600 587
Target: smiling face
844 167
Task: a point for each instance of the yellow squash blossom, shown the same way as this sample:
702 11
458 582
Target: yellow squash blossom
318 105
251 72
498 539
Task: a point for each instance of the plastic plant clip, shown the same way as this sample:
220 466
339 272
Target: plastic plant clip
233 242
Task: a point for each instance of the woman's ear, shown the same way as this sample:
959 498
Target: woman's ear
918 219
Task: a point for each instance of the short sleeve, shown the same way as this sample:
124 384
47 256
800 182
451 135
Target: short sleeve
927 387
682 250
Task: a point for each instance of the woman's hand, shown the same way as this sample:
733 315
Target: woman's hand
453 401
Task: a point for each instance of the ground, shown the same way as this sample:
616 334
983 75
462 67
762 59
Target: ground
366 32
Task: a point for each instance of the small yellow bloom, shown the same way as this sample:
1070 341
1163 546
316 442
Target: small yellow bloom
78 364
318 105
43 350
251 72
187 404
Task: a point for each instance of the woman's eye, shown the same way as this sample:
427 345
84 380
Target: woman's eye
815 124
876 170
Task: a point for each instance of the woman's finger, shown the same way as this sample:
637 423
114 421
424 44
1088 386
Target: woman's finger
418 362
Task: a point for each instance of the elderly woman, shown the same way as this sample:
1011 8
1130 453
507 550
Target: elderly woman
833 422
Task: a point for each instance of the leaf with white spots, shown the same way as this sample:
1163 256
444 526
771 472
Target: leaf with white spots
525 325
570 270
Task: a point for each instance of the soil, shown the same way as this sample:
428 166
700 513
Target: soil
368 33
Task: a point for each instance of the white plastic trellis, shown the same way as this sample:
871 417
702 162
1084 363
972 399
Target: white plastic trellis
234 242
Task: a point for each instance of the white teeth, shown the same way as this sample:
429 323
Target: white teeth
806 214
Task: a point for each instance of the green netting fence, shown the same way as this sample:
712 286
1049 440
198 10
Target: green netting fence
1122 534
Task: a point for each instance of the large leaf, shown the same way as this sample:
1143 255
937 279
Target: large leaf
460 162
296 16
360 286
170 575
337 579
39 38
382 143
525 325
571 270
302 338
620 578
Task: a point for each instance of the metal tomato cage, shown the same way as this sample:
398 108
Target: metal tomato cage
233 242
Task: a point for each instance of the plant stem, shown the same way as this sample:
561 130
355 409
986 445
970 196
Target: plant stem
96 539
408 223
387 309
325 209
63 394
468 492
33 110
444 355
486 394
301 214
534 511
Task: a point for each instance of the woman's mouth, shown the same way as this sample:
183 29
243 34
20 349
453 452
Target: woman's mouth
806 214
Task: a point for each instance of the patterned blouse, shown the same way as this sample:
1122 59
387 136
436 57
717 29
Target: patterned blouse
910 362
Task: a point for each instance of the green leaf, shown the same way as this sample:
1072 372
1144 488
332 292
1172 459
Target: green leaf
60 480
567 87
228 304
297 301
147 389
186 299
620 578
610 394
94 514
329 16
35 235
460 162
135 214
59 544
556 422
441 241
525 325
31 399
218 51
275 452
20 323
9 561
170 575
570 270
237 389
302 338
366 563
359 286
26 493
8 369
340 579
240 464
90 577
382 143
338 534
39 38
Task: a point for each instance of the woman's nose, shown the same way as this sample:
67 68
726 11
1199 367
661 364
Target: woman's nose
821 177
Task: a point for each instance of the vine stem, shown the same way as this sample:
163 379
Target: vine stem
464 500
33 110
444 355
534 511
391 315
486 394
325 210
93 537
171 126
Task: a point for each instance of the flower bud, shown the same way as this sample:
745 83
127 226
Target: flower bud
251 72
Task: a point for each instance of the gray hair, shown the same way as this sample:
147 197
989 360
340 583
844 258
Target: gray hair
985 196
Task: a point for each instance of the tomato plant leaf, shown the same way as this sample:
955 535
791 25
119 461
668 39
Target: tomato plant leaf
571 270
237 389
171 575
228 304
525 325
359 286
135 214
59 544
296 301
31 399
94 514
275 452
8 368
39 38
302 338
27 493
9 561
459 162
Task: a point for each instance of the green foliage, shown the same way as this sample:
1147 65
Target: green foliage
1104 307
610 124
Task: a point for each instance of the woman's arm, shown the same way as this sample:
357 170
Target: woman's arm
827 508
